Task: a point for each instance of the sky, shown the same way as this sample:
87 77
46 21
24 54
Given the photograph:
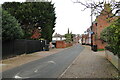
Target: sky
69 15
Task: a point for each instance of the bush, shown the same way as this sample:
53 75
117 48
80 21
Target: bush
10 27
111 35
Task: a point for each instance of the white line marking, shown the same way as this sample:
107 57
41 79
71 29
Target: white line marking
51 62
68 67
17 77
36 71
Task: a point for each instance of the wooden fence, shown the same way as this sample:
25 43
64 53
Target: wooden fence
18 47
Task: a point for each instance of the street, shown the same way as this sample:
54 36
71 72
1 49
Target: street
49 67
60 39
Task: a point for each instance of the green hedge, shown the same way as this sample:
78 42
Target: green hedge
10 27
111 35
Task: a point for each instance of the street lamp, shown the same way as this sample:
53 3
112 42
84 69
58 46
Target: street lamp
39 28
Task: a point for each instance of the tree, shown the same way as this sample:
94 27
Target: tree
10 27
68 37
97 7
34 15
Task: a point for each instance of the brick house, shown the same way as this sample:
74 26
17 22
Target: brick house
86 38
58 37
76 39
58 40
102 21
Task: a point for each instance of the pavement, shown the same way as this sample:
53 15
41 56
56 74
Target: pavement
48 67
90 64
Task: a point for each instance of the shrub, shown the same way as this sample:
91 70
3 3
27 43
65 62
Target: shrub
111 35
10 27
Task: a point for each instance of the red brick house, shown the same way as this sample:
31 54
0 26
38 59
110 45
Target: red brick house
76 39
85 39
59 41
102 21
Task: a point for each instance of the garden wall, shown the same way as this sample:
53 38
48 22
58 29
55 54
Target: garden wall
62 44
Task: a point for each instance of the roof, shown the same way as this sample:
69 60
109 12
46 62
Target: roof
58 35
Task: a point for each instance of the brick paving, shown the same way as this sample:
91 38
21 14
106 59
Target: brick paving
91 64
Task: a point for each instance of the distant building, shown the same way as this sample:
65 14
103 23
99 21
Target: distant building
86 38
58 37
76 38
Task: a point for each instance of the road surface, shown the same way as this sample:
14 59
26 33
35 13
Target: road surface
49 67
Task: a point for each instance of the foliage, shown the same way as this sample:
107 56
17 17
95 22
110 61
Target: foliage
100 49
68 38
111 35
10 27
32 15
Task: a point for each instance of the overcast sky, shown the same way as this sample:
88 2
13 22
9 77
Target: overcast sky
69 15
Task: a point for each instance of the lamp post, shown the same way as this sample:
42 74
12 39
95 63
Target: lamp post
91 27
39 28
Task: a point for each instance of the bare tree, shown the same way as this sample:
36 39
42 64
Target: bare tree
97 7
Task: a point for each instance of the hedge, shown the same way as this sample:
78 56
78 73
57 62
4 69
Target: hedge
111 35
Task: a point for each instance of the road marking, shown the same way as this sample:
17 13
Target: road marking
51 62
17 77
68 67
36 71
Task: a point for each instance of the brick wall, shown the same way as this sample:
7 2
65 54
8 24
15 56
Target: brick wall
101 23
62 44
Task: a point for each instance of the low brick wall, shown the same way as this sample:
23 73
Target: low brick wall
62 44
68 44
100 44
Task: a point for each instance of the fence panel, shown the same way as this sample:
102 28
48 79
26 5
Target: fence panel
33 46
7 49
17 47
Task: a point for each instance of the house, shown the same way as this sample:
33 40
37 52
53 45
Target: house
76 38
102 21
57 38
86 38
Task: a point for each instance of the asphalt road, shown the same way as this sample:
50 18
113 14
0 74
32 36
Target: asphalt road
49 67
